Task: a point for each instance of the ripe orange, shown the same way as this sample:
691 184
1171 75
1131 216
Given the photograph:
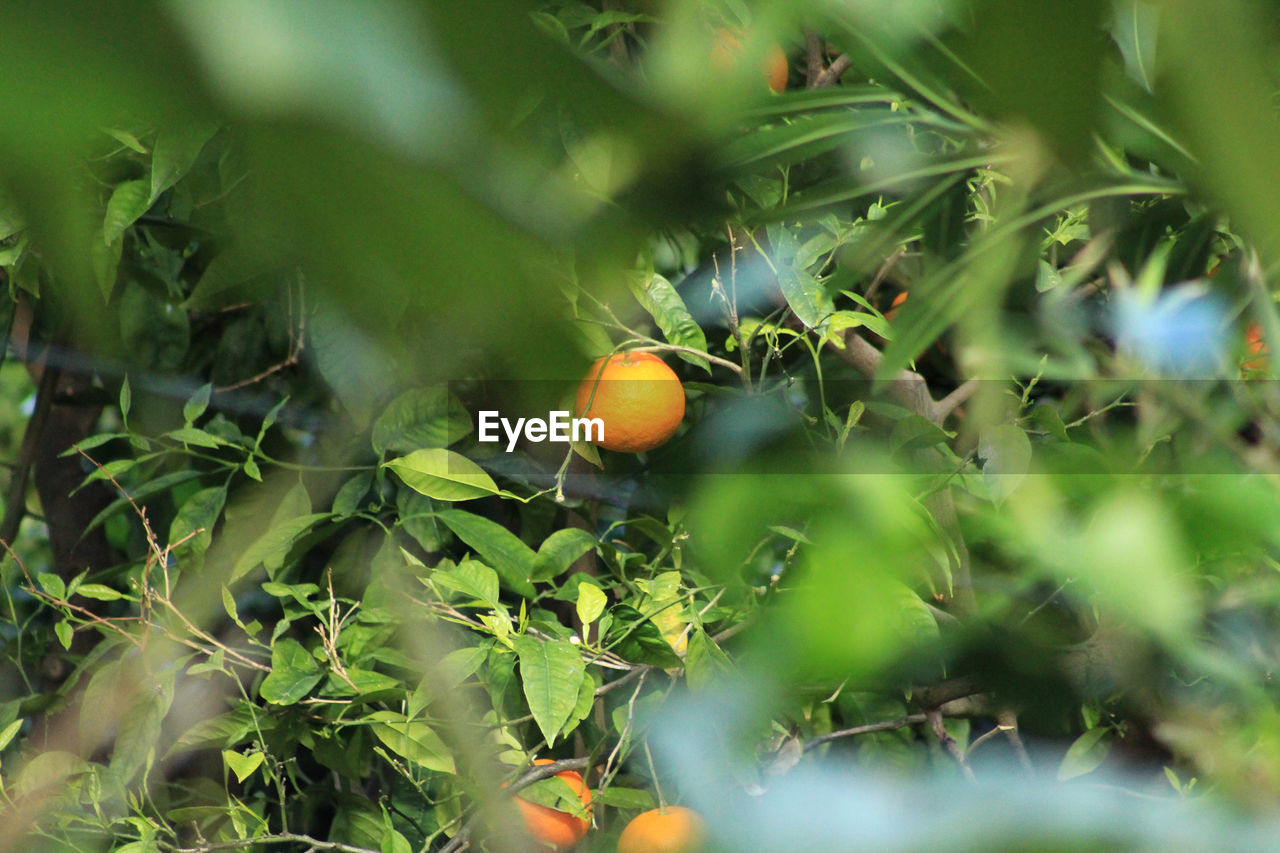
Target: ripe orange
727 47
675 830
560 829
639 399
893 306
1256 347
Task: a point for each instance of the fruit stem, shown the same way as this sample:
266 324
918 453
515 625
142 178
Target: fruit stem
662 803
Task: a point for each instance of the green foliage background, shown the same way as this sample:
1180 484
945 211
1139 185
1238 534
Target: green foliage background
266 260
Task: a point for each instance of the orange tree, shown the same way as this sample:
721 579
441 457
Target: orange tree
298 554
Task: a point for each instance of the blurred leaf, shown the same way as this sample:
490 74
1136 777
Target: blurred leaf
1134 26
915 432
128 201
420 418
1086 753
1007 454
197 403
705 663
177 147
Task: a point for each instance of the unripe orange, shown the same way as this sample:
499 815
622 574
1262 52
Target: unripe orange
671 830
559 829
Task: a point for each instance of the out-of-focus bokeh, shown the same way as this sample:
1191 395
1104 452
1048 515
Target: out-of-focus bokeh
968 536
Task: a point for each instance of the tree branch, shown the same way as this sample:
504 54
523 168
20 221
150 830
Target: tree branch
834 72
15 503
278 838
813 48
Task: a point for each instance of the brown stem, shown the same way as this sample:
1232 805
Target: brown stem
949 743
813 48
834 72
15 502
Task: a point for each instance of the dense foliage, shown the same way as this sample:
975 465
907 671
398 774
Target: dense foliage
969 535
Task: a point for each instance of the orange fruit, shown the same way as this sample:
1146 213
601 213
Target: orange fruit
893 306
559 829
727 47
673 830
639 399
1256 347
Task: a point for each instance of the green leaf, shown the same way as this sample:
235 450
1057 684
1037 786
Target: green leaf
125 138
198 437
177 148
1134 26
105 261
347 499
8 732
1049 419
361 682
591 602
668 310
126 399
394 842
243 766
554 793
64 631
1086 753
443 475
293 673
270 549
559 551
705 664
637 639
48 770
99 591
499 547
413 740
420 418
915 432
629 799
199 401
128 202
199 512
804 295
472 579
551 672
138 732
52 584
1007 452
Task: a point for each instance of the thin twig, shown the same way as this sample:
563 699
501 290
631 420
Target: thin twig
949 743
278 838
954 400
296 343
869 728
1007 722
